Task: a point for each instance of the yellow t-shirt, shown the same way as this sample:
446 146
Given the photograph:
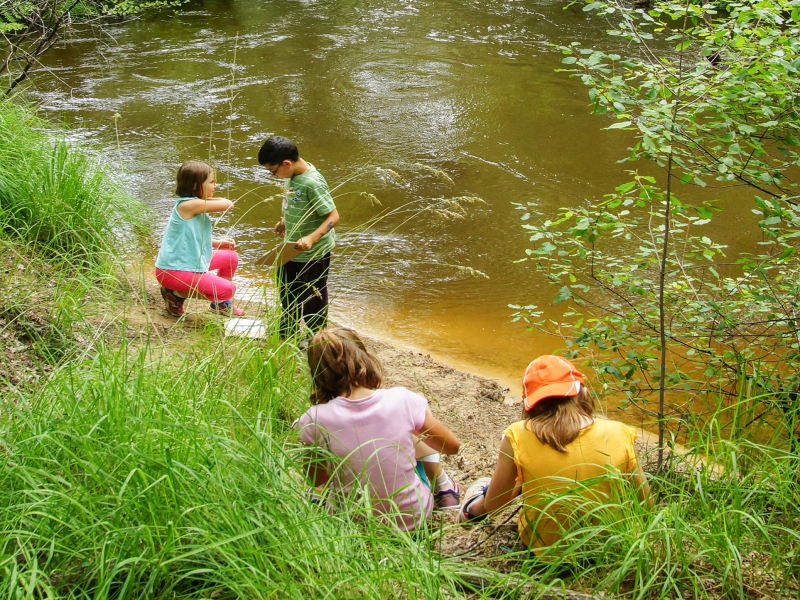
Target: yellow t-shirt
588 468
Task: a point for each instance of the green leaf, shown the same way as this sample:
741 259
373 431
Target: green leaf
683 45
619 125
704 212
563 294
626 187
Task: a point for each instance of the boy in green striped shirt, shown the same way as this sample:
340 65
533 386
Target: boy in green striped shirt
309 218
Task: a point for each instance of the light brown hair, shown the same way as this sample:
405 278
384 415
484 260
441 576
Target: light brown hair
191 177
339 363
556 420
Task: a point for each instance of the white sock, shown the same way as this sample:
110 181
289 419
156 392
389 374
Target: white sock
443 482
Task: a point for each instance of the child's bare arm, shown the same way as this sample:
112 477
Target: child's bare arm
503 487
197 206
316 467
438 436
224 244
330 221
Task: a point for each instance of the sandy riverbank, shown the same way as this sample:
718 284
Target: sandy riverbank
476 408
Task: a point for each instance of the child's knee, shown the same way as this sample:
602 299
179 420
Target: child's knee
230 291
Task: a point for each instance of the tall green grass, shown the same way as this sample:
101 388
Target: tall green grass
167 468
58 197
173 472
148 475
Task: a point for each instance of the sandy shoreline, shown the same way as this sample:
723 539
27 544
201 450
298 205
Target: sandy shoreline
476 407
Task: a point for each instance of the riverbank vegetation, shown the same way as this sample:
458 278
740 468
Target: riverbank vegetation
30 28
683 323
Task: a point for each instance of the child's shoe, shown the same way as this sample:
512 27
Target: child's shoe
448 498
475 491
226 307
173 301
315 495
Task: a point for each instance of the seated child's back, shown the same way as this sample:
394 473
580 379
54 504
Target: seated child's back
374 435
374 432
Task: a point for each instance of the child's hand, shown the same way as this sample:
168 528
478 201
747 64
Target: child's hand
304 243
280 227
225 244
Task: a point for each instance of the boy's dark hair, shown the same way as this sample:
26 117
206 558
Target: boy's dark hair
191 177
339 363
276 150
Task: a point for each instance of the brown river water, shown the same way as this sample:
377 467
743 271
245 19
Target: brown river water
409 101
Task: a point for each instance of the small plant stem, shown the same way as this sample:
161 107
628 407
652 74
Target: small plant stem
662 275
211 141
232 97
661 314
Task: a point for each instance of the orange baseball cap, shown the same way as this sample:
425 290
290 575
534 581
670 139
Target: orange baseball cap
549 376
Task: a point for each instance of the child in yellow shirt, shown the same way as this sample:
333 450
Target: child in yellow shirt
558 446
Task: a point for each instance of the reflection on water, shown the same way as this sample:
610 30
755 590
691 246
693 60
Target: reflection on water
412 102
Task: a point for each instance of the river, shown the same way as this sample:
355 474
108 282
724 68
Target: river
410 102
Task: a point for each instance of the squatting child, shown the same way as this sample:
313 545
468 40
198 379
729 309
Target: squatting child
558 447
188 252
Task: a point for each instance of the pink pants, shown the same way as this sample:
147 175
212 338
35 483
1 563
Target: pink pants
216 288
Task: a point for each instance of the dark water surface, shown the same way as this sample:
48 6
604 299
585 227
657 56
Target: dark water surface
383 97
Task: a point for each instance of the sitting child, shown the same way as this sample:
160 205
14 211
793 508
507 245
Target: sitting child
558 446
378 433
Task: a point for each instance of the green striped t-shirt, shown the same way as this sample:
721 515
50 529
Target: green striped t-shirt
306 202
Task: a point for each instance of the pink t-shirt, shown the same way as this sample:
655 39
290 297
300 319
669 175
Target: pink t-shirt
374 437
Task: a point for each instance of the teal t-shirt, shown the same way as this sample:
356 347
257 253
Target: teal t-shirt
186 244
306 202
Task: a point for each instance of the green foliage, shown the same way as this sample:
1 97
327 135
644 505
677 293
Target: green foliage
672 321
723 108
170 470
58 197
722 528
140 473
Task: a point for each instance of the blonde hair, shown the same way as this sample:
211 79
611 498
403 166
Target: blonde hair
191 177
339 363
557 420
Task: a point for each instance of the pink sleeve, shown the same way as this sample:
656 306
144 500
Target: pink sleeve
309 433
417 407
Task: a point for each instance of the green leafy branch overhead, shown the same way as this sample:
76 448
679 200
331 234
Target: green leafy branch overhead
735 74
672 320
29 28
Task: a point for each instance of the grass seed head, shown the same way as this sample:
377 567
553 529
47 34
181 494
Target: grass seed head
436 172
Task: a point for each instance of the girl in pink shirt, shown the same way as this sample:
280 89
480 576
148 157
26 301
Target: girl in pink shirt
377 433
